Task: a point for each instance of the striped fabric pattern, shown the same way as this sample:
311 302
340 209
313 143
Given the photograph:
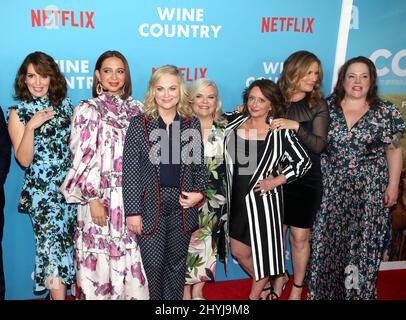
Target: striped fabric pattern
283 154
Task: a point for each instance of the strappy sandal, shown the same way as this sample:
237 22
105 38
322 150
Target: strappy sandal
273 294
298 286
270 288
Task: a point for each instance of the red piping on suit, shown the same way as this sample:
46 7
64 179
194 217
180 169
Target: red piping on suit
157 185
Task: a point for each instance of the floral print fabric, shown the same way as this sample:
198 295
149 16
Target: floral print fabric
352 228
107 258
201 258
52 218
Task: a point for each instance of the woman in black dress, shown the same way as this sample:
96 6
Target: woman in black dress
307 115
258 162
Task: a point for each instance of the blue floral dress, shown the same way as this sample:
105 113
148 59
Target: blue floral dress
353 228
52 218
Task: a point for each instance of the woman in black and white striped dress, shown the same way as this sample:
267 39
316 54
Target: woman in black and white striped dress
255 175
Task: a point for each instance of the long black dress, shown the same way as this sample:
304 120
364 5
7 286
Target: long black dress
302 198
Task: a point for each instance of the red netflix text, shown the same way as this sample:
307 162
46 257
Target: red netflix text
190 74
287 24
64 18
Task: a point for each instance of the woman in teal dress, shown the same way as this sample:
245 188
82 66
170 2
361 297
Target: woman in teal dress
361 170
39 128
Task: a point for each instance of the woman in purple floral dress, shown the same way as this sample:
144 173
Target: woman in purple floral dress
107 257
361 169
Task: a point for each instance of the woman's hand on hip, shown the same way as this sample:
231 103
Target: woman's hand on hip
268 184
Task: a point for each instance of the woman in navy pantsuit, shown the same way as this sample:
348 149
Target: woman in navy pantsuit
164 176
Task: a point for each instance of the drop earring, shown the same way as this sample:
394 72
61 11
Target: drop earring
270 116
99 88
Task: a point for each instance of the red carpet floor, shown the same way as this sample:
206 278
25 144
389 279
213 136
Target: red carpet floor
391 286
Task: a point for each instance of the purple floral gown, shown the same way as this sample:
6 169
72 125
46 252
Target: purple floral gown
107 259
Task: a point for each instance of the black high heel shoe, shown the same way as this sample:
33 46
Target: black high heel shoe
274 295
301 286
270 288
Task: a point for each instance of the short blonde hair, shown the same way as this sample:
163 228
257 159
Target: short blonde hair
150 105
200 84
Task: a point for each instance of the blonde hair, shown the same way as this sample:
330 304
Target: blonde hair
295 68
200 84
150 105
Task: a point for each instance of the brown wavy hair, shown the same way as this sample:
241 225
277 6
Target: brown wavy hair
45 66
295 68
339 92
127 82
150 105
270 91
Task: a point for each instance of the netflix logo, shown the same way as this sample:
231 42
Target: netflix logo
52 18
287 24
190 74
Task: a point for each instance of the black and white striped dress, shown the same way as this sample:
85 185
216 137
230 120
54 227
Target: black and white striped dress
283 154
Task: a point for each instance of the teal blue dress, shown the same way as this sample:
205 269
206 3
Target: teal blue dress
52 218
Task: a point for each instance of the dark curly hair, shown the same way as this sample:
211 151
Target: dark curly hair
339 92
127 81
270 91
44 65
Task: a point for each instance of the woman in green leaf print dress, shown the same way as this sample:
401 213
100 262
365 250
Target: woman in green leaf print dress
39 128
201 258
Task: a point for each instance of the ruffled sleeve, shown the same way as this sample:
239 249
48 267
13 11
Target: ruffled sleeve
393 123
82 182
22 111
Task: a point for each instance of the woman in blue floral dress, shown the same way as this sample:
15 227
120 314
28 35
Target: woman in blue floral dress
202 254
361 170
39 128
